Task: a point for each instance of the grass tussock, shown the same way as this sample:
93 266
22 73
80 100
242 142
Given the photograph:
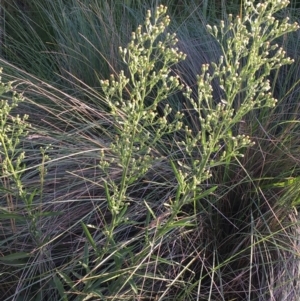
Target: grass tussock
161 164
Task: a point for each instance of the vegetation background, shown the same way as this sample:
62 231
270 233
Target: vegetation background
86 214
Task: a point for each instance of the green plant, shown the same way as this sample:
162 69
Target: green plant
12 129
139 126
158 196
18 203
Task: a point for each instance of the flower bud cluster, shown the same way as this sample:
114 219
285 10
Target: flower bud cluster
12 128
148 57
242 73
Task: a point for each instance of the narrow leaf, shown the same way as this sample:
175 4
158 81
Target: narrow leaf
14 256
89 236
60 288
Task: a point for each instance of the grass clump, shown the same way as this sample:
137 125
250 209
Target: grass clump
153 191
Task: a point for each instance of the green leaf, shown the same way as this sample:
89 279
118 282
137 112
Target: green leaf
85 261
12 216
67 279
133 286
185 222
15 256
205 193
6 190
60 288
89 236
150 210
30 199
49 213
